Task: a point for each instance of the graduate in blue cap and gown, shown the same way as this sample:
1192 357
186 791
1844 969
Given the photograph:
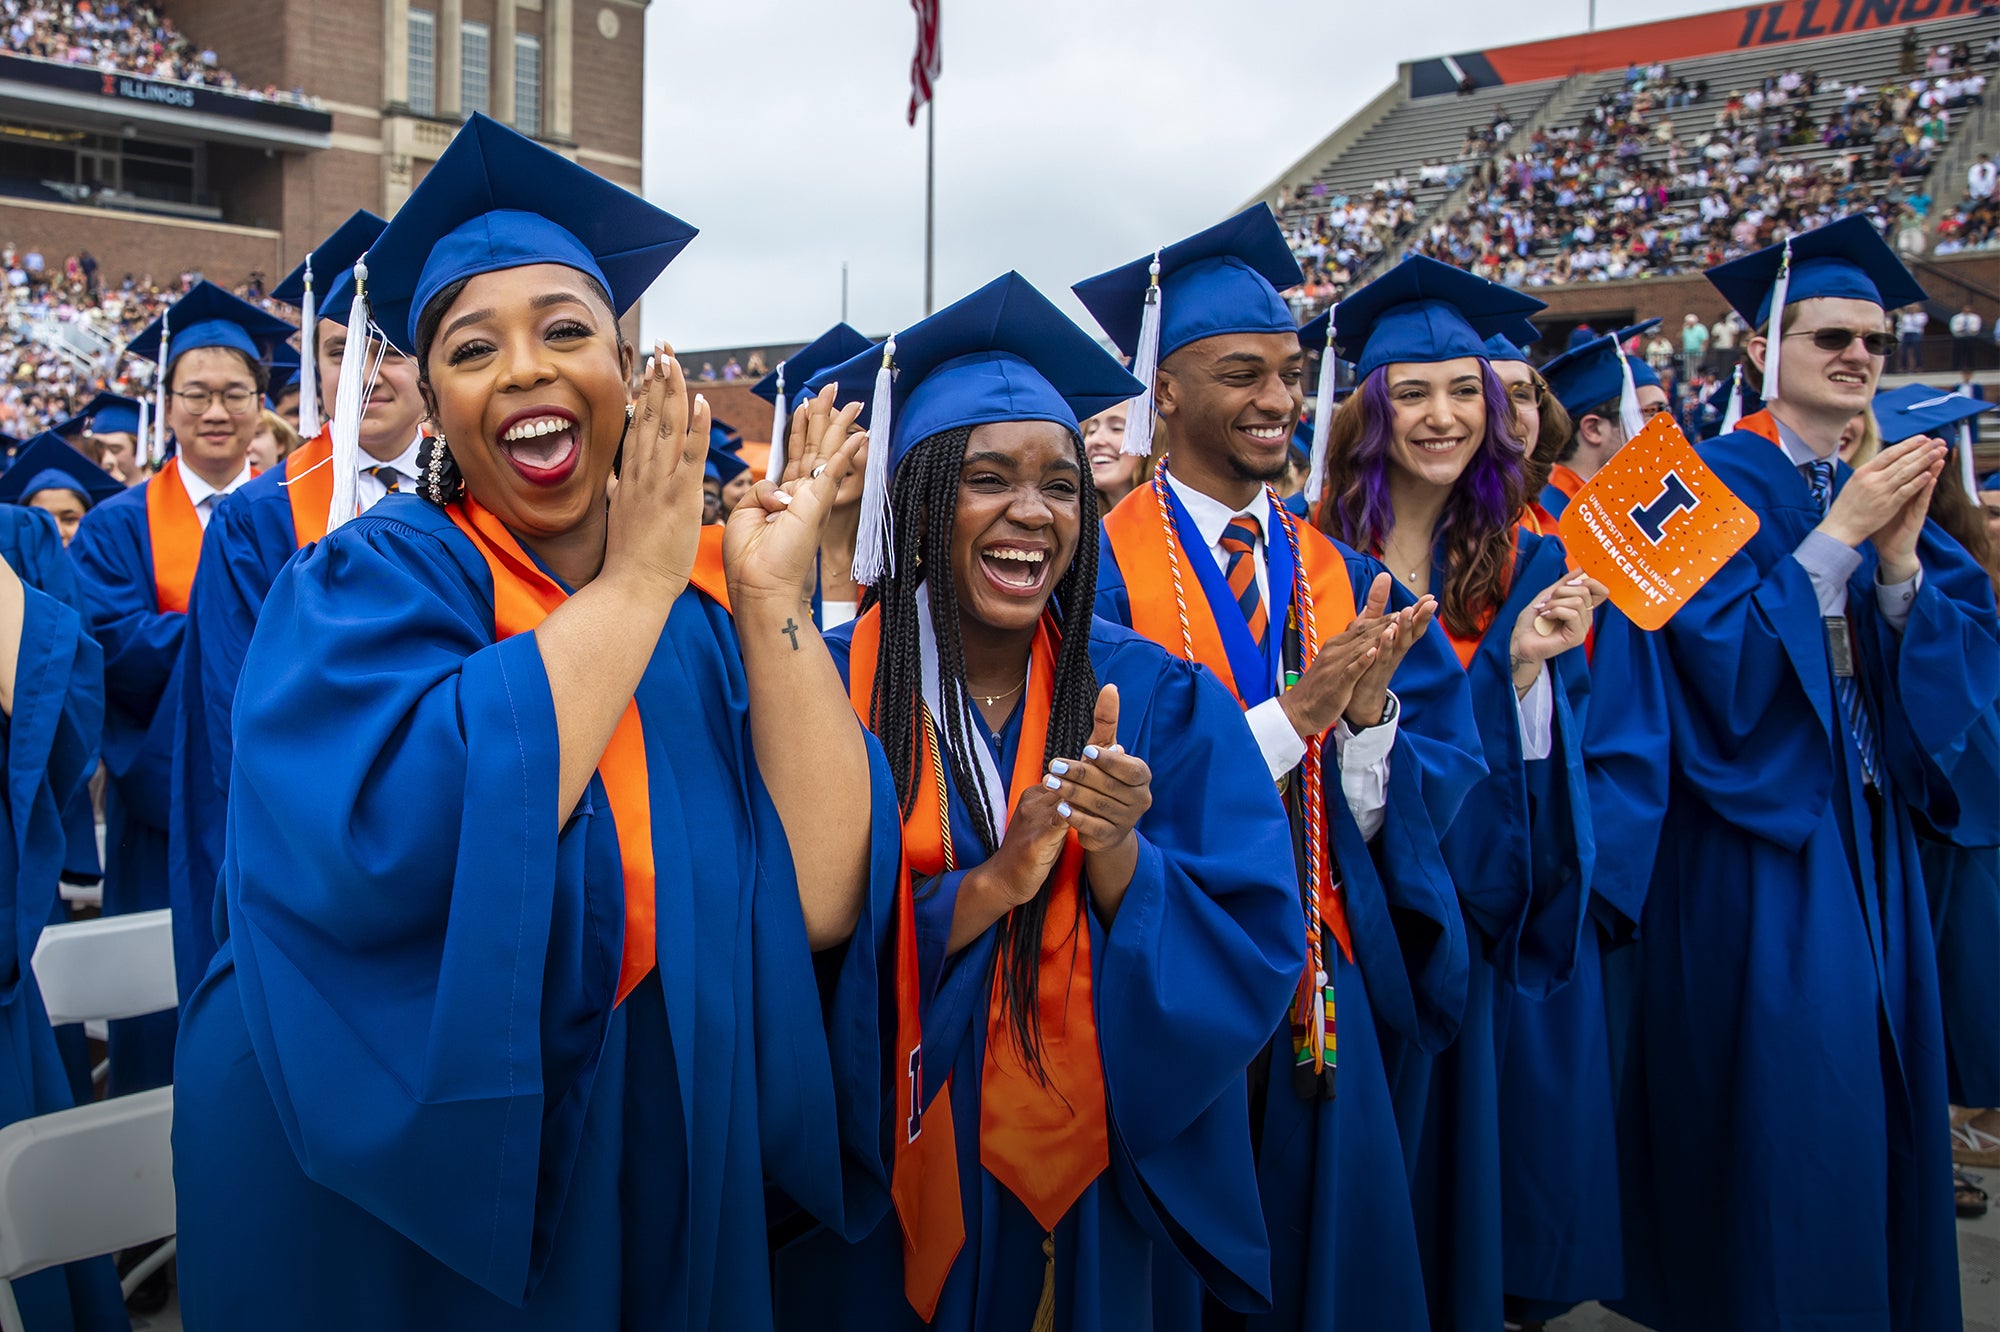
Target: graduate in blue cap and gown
835 597
1424 470
515 1015
51 714
1363 719
135 557
1609 397
1836 677
107 431
251 537
1099 928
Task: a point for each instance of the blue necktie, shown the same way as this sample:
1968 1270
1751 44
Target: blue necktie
1847 688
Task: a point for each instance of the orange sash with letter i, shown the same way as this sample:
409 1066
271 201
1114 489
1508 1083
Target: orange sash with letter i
523 596
174 529
1046 1142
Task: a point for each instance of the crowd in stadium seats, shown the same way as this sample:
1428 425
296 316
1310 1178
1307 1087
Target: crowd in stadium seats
1633 190
122 36
44 385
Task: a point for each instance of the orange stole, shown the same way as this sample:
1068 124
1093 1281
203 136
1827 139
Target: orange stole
1045 1143
1762 423
309 485
1468 648
1564 478
523 596
1140 532
174 529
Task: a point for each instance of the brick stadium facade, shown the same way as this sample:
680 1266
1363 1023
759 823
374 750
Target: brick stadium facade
260 193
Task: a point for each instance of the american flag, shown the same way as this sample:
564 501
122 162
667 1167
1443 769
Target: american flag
928 62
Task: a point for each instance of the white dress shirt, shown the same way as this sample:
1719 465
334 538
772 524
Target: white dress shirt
1830 562
205 496
369 490
1362 756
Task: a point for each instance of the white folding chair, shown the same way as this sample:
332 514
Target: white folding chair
81 1183
95 971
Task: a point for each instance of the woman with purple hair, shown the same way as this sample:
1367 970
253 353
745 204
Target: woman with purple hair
1425 471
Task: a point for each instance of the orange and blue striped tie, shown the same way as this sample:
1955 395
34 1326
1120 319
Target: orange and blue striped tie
1239 542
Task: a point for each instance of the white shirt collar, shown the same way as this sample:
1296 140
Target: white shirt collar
199 490
1211 516
1801 453
404 463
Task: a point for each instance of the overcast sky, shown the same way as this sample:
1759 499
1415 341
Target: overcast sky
1072 135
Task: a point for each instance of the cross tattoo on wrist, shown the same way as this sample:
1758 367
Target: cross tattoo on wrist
791 631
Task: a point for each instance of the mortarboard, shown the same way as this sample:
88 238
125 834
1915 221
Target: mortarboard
495 199
1991 483
328 298
724 436
1598 372
1004 353
1500 347
837 344
286 370
105 414
1918 409
47 462
1225 279
1845 259
1424 311
1643 374
725 465
709 471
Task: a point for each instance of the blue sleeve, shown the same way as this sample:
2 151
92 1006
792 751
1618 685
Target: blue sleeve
1626 747
1113 602
1204 956
111 558
1938 682
423 971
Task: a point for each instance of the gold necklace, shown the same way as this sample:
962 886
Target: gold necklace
988 700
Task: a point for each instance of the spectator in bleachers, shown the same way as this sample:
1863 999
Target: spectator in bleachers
123 36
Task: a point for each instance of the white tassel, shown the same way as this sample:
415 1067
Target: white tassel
1774 330
872 557
775 471
1145 367
145 440
350 401
156 448
1965 461
1329 370
309 360
1629 415
1733 412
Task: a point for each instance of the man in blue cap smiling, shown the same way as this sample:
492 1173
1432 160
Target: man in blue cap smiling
1308 635
1791 1163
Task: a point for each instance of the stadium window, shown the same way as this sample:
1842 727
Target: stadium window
527 83
423 62
475 62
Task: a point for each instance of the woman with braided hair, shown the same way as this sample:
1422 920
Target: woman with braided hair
1096 933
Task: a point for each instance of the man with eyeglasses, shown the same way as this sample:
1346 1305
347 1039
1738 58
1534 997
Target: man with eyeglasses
135 557
1788 1161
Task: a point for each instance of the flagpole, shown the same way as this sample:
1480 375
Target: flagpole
930 193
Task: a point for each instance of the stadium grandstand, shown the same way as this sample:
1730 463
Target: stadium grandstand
143 145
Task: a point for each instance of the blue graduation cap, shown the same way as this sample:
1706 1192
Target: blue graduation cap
496 199
1500 347
330 297
724 436
723 465
1918 409
1845 259
787 381
1225 279
105 414
1643 373
709 472
286 370
1004 353
1424 311
47 462
209 316
1991 483
1586 377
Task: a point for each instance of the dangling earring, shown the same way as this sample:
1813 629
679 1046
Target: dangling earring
443 483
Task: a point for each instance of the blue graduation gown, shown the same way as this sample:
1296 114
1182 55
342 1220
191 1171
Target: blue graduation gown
51 745
1521 853
249 539
1332 1175
1188 983
1559 1113
1788 1075
1962 878
405 1097
112 555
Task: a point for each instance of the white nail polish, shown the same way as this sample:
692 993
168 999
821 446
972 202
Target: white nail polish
781 497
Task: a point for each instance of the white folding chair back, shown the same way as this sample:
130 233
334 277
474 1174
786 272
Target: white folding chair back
108 968
80 1183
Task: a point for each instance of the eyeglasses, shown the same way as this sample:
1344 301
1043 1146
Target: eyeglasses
1839 339
197 400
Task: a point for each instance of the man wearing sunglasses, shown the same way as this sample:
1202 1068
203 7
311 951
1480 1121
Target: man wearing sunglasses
1790 1162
